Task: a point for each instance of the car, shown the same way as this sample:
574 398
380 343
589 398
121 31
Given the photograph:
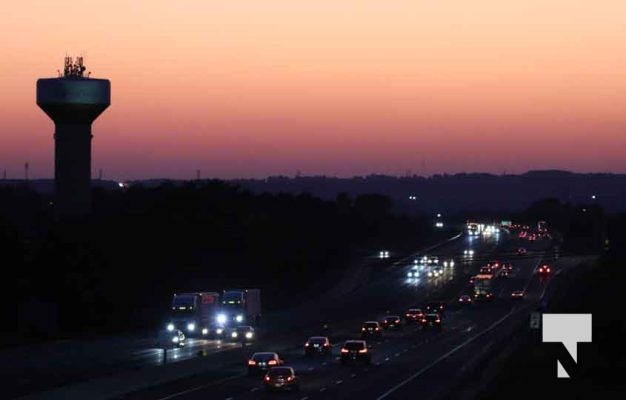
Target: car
263 361
355 351
448 263
243 334
521 251
392 321
371 329
486 270
465 300
317 345
544 270
468 253
472 279
435 307
478 296
494 264
413 315
431 320
281 378
518 294
503 273
171 339
508 267
413 272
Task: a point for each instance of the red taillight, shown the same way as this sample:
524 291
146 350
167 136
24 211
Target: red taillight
290 378
344 350
267 378
362 329
325 344
251 362
423 319
376 328
547 269
272 362
306 344
363 351
397 321
437 320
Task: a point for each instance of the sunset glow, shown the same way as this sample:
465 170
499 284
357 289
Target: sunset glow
251 88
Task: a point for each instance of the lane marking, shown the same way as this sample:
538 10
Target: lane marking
443 357
353 376
322 389
339 382
195 389
254 389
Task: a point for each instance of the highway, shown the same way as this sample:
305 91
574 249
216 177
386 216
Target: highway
405 363
395 358
42 367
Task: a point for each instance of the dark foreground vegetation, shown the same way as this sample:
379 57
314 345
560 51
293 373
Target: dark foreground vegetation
117 269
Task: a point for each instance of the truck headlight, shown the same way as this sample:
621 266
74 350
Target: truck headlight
175 339
239 318
221 318
234 335
219 331
170 327
205 331
248 335
191 326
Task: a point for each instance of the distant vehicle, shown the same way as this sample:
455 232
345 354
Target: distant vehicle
171 339
413 272
518 295
244 333
544 270
503 273
383 254
317 345
465 300
260 362
508 267
468 253
239 307
371 329
431 321
448 263
434 272
194 312
472 279
486 270
413 315
472 229
392 321
521 251
281 378
435 307
483 287
355 351
542 226
494 264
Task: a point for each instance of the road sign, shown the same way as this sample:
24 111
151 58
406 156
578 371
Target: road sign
535 320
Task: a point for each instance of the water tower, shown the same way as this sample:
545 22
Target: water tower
73 101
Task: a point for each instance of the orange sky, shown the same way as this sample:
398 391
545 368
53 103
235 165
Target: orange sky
251 88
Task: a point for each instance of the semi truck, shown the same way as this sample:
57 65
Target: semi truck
483 287
194 313
239 307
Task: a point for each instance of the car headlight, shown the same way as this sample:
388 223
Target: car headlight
234 335
239 318
248 335
430 273
170 327
221 318
219 331
191 326
445 263
205 331
175 339
410 274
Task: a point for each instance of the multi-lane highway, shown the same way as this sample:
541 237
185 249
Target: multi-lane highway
406 362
